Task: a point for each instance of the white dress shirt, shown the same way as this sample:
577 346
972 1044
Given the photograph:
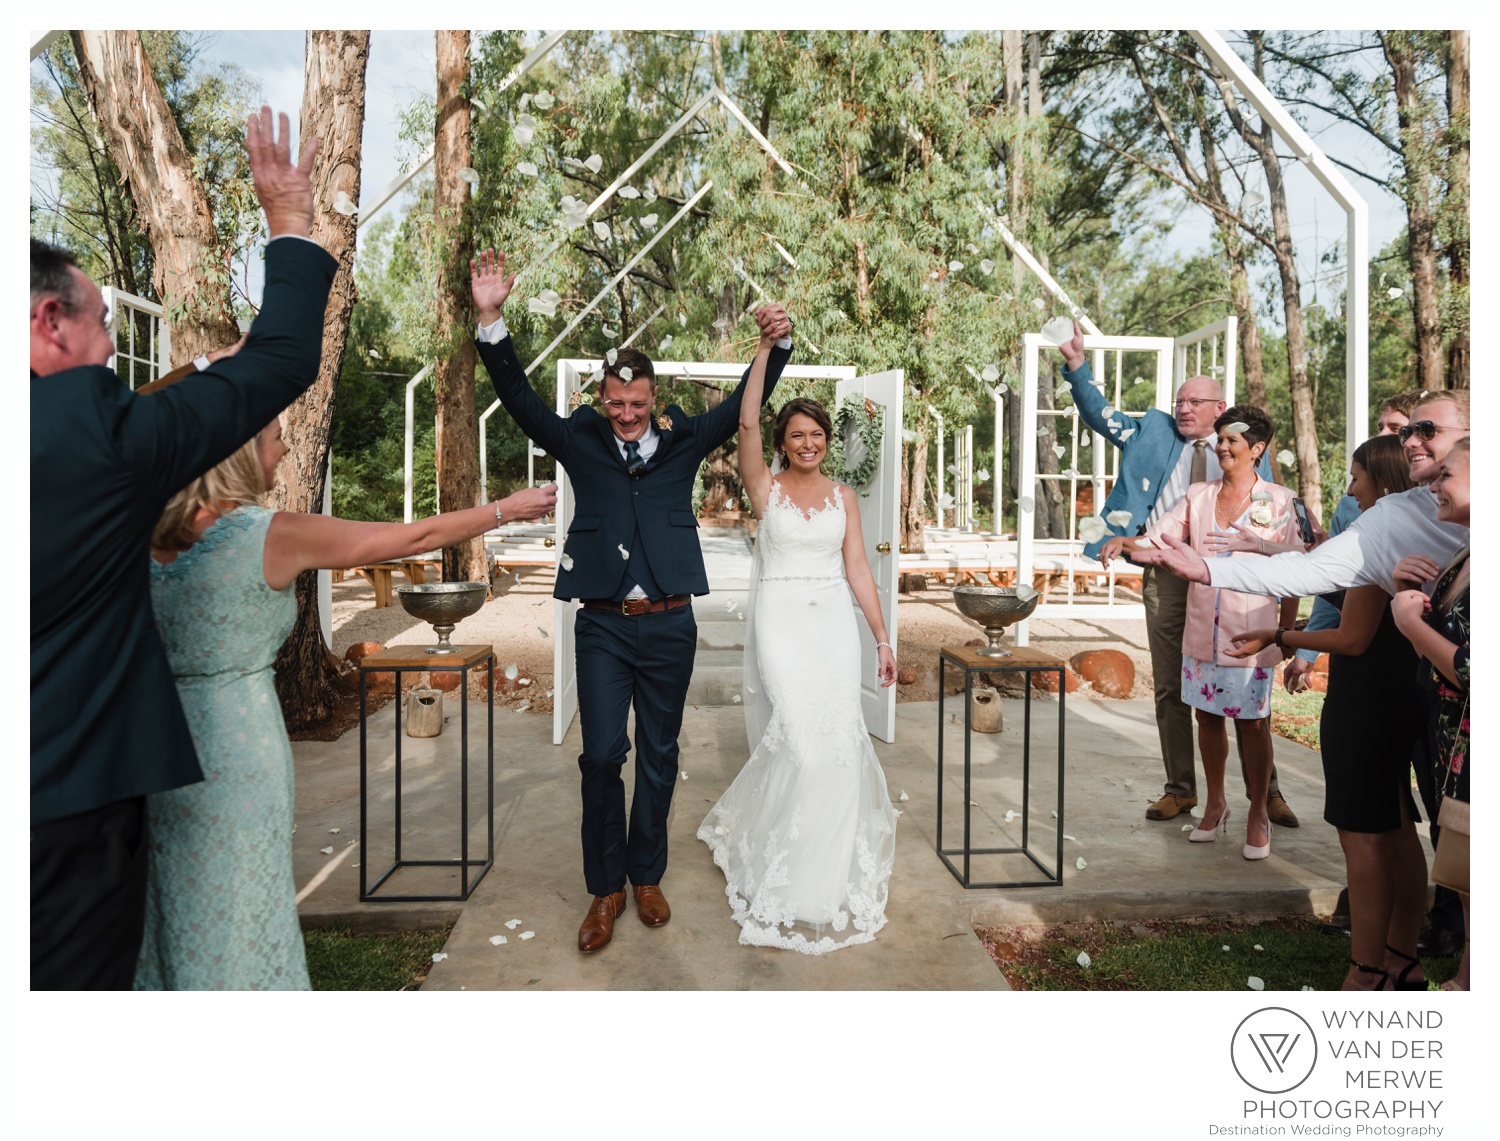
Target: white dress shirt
1182 474
1365 555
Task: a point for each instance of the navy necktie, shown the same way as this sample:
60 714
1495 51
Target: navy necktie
634 464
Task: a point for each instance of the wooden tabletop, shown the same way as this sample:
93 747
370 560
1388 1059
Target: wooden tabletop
416 657
1021 658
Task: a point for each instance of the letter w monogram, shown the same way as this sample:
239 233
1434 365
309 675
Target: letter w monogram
1274 1049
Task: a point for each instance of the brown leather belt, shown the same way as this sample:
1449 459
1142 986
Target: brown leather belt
630 607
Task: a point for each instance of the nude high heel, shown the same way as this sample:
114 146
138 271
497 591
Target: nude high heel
1259 851
1209 835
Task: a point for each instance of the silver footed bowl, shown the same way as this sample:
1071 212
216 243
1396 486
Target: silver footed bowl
995 608
443 604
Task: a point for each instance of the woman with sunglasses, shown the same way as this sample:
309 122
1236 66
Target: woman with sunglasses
1372 719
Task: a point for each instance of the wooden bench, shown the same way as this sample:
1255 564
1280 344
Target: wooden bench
378 575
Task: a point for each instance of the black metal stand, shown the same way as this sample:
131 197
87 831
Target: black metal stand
1027 663
373 664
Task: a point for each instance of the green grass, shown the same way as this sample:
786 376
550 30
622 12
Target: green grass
1168 956
339 959
1297 716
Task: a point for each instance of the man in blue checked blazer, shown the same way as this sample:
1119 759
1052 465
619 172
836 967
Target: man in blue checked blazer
633 560
1160 455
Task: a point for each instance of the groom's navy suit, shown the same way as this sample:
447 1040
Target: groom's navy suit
646 659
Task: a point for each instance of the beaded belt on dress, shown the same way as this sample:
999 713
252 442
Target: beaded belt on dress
800 577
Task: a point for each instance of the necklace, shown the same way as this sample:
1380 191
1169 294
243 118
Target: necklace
1222 518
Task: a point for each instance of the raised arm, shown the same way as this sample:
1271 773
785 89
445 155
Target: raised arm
753 471
490 286
862 583
715 426
1090 400
295 543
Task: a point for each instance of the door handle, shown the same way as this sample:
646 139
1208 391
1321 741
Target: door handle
549 541
883 548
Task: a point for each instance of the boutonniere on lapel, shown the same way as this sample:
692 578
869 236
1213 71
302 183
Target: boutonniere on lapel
664 422
579 399
1260 511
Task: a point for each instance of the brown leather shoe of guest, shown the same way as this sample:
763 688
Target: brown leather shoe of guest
1281 812
651 905
1170 805
599 924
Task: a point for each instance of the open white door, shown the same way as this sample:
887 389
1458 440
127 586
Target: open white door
564 666
880 518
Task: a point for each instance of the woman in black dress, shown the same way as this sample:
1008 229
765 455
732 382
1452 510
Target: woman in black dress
1372 717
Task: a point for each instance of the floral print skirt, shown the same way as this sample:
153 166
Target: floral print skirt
1241 692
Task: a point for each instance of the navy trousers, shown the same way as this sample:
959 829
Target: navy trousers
645 662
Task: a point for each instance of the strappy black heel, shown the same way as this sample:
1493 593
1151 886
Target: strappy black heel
1402 982
1385 975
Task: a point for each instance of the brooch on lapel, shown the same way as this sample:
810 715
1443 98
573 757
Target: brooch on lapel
664 422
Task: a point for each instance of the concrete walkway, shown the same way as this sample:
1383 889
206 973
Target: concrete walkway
1135 868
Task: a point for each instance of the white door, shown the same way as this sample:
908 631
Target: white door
564 666
880 518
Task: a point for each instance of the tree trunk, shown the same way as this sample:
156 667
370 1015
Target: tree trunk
1013 62
914 487
333 109
457 423
1456 207
191 271
1416 156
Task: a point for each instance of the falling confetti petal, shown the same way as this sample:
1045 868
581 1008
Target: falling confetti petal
498 940
736 699
601 231
1189 828
982 475
649 223
1285 458
1010 815
1118 518
343 204
1068 837
1039 303
1107 411
1027 503
1145 484
625 372
1255 984
1059 450
955 266
609 332
512 924
334 831
374 356
611 355
624 554
1258 947
1238 426
908 435
512 672
439 956
1080 863
566 560
328 851
953 470
468 174
1225 947
665 343
1058 331
528 934
542 100
593 162
1394 293
986 267
524 129
1139 380
1306 987
903 795
990 374
1197 812
1126 434
527 681
1083 959
628 192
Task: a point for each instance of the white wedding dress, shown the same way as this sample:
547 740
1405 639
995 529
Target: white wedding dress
806 834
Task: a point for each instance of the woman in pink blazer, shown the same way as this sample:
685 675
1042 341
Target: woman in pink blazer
1215 684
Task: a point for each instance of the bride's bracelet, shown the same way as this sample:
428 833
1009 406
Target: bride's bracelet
887 645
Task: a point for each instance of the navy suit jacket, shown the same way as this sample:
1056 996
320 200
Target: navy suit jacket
1147 455
106 724
611 506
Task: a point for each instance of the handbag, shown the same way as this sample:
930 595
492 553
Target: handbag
1450 862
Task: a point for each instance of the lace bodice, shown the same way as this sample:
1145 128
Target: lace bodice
797 546
214 610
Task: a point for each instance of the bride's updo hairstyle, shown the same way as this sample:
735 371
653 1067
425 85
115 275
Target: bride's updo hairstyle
809 408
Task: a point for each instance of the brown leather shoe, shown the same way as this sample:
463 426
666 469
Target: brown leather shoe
651 905
599 924
1281 812
1170 805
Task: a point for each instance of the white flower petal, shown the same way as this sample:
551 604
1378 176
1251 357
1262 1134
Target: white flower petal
628 192
1255 984
1306 987
527 168
1066 836
468 174
601 231
439 956
1285 458
1225 947
1145 484
528 934
566 560
610 356
1059 450
328 851
1394 293
1126 433
986 267
1197 812
542 100
1238 426
903 795
1039 303
1138 380
908 435
1091 529
982 475
343 204
1027 503
1119 518
649 223
609 332
665 343
593 162
1258 947
1010 815
522 135
1189 828
990 374
1080 863
512 671
955 266
625 372
374 356
499 940
624 554
1107 411
1083 959
512 924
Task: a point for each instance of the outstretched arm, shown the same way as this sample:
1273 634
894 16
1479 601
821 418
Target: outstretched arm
490 286
714 427
753 471
1358 623
295 543
1112 424
862 583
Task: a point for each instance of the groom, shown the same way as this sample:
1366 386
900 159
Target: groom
632 558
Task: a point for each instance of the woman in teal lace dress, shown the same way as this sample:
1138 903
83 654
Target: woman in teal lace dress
221 902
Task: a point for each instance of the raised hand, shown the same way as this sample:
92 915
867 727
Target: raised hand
283 187
773 321
1177 557
1072 351
1414 570
529 503
489 285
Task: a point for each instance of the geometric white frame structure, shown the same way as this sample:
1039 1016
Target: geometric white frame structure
573 375
1356 210
158 354
1223 331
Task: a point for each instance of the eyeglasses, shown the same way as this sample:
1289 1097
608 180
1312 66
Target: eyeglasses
1423 430
1192 403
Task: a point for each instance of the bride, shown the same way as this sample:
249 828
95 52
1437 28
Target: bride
805 835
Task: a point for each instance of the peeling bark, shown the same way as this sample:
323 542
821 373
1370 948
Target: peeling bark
1457 238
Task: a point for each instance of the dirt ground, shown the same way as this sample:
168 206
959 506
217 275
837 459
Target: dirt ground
518 623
